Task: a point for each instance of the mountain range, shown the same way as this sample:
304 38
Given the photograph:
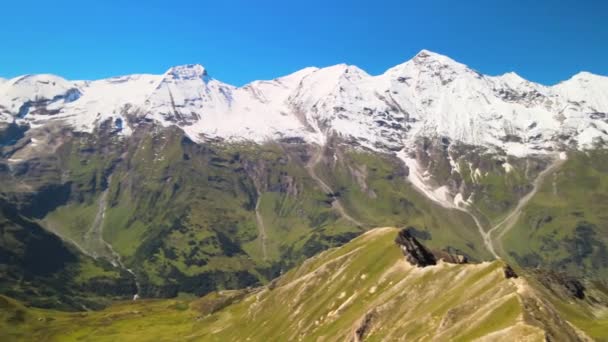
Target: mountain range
429 95
181 186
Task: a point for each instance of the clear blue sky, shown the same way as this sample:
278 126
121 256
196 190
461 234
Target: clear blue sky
242 40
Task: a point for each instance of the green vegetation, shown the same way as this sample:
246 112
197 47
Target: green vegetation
565 225
373 189
364 289
190 219
40 269
185 216
496 182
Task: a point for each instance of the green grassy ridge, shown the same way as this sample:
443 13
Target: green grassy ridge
365 285
565 225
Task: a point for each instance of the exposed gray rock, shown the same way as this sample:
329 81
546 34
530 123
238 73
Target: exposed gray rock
415 252
419 255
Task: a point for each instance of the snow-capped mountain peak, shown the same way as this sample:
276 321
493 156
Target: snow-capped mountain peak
42 94
429 70
512 78
433 62
187 72
584 76
429 56
184 94
429 95
33 87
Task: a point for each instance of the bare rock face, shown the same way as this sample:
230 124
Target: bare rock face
418 255
509 272
415 252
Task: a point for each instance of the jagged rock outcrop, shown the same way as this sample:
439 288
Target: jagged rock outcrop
415 252
509 272
419 255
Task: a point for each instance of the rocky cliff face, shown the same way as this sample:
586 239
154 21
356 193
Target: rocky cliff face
418 255
415 253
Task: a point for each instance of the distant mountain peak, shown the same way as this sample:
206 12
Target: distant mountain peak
188 72
424 53
430 56
586 76
513 76
428 62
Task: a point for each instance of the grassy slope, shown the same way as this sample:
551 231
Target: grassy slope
329 297
497 191
565 225
37 267
386 199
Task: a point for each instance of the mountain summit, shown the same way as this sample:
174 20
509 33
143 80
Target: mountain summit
188 72
430 95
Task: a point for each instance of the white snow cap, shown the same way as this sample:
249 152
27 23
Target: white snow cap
430 95
187 72
34 87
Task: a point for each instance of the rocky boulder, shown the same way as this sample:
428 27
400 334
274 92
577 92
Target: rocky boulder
419 255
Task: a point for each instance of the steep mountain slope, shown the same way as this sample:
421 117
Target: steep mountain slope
38 268
365 290
565 226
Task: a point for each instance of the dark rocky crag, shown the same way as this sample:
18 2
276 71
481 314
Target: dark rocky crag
419 255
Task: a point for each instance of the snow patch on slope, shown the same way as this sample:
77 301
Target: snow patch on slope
439 194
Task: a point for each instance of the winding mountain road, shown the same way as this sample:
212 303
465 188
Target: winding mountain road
509 221
489 240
